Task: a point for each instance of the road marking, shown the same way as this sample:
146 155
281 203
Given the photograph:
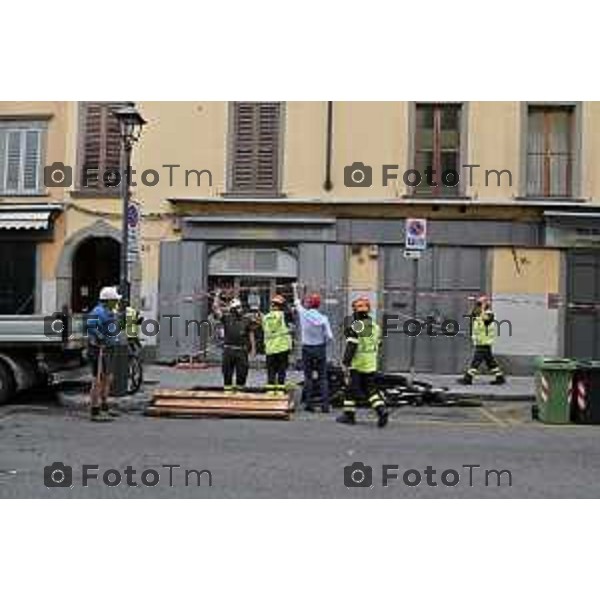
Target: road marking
492 417
446 423
6 416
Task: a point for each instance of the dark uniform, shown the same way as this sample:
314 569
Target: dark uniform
236 345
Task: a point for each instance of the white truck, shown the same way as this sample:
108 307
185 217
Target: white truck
32 347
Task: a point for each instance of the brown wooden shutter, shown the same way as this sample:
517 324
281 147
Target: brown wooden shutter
101 144
256 148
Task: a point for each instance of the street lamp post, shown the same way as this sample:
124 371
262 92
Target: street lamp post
130 124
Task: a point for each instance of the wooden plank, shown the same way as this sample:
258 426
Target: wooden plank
162 411
229 403
171 393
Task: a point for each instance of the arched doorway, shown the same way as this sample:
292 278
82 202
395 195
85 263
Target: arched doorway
96 263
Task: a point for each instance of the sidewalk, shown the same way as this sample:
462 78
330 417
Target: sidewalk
158 376
515 388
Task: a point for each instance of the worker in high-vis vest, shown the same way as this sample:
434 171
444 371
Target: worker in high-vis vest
361 355
483 336
133 320
278 344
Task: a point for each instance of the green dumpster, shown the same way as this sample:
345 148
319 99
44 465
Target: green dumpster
553 389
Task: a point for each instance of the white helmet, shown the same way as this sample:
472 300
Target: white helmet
235 304
109 293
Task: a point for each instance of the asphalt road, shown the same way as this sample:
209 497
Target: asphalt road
302 458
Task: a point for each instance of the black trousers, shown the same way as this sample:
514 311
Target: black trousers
483 354
277 365
363 386
314 358
235 362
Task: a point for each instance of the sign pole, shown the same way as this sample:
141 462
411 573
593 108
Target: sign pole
413 315
415 243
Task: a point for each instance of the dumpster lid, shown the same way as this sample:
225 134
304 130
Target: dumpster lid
588 364
547 363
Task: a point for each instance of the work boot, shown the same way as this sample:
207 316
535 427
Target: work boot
308 407
101 417
348 418
500 380
382 416
109 410
466 379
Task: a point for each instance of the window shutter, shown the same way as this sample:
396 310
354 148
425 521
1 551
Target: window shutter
101 144
3 137
13 163
31 160
256 148
92 144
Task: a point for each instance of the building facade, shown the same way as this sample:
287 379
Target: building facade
255 195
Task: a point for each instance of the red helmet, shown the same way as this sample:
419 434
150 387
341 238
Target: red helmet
313 301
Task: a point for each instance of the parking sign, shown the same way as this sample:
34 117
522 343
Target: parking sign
416 234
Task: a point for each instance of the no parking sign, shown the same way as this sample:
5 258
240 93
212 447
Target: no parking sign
416 234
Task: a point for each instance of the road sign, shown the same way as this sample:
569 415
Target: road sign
133 215
414 254
416 234
133 234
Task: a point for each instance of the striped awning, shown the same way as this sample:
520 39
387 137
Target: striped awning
25 220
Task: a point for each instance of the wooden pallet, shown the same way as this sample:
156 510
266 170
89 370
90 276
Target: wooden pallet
215 403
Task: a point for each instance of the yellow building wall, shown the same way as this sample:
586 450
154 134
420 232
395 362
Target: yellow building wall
374 133
494 143
50 251
305 143
190 134
591 151
526 271
521 281
363 268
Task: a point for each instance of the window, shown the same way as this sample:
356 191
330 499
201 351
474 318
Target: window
550 151
254 162
21 166
437 149
100 145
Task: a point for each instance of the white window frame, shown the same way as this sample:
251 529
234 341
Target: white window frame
22 128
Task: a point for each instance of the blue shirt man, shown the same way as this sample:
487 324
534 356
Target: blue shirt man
315 331
102 326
